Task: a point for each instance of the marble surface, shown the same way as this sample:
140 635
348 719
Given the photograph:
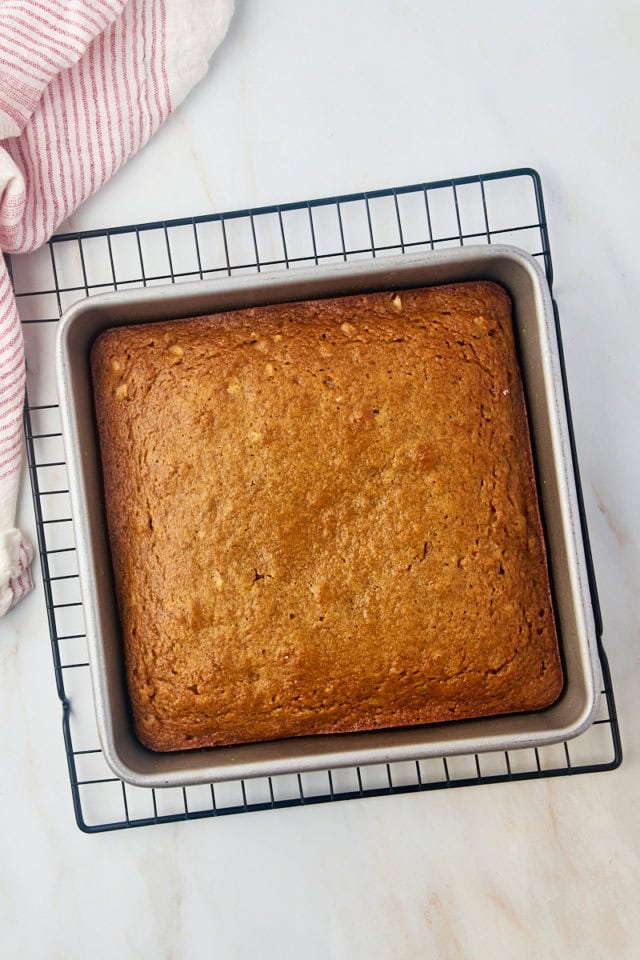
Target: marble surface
309 100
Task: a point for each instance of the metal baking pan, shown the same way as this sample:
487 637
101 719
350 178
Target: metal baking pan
538 350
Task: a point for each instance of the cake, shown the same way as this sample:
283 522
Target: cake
323 518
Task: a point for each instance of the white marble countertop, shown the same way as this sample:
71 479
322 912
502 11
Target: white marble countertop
311 100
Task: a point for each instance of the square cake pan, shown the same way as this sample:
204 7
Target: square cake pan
541 370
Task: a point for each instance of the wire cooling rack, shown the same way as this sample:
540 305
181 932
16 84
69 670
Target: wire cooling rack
505 207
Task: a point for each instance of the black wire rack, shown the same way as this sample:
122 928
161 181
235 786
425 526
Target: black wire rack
503 207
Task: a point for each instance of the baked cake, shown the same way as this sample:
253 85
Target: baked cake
323 518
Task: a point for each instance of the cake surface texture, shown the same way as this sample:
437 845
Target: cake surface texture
323 518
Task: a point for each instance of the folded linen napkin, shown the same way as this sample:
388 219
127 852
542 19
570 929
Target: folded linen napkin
83 85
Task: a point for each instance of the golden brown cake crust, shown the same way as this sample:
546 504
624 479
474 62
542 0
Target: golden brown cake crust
323 518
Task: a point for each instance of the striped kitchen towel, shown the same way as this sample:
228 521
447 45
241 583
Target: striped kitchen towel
83 85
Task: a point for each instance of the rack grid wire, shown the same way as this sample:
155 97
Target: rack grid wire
504 207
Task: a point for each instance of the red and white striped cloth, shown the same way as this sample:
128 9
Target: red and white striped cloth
83 85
